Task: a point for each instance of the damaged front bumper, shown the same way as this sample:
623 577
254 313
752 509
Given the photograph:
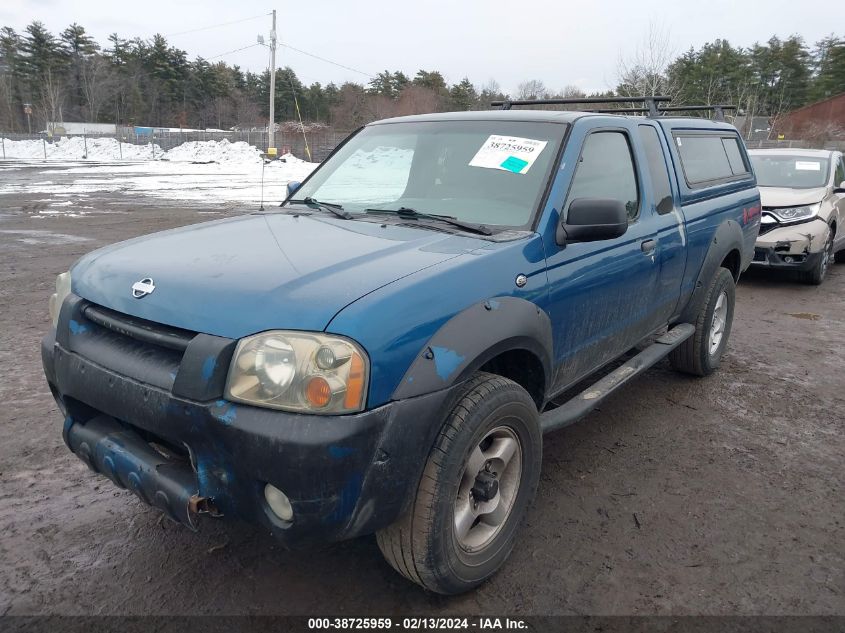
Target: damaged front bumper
795 247
344 475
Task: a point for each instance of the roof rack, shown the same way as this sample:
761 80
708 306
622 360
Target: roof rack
649 102
652 105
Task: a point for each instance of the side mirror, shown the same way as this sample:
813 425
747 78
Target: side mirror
593 219
840 188
293 185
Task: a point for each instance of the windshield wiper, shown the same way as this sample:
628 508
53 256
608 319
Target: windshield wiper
413 214
325 206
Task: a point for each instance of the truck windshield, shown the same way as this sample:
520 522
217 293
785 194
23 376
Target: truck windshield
791 171
487 172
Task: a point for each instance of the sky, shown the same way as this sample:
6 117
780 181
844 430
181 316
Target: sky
560 43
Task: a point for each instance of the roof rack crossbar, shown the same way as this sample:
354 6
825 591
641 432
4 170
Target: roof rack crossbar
650 102
651 105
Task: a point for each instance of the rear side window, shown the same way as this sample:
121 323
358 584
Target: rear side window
738 166
710 158
606 170
657 169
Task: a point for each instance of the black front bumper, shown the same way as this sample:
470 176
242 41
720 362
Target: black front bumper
771 258
344 475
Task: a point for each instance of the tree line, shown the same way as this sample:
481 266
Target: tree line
70 77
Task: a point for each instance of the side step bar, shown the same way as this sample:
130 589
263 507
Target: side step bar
579 406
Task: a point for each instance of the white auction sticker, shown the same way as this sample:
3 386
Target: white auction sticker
508 153
807 165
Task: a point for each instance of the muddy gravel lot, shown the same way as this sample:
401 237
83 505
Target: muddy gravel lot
718 496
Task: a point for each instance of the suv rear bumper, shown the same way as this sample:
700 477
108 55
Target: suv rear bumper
344 475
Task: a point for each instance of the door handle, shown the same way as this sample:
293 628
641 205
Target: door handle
648 246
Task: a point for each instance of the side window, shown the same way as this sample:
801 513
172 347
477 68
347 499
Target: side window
710 157
738 166
657 169
606 170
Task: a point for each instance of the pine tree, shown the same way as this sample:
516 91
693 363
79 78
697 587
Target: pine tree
829 58
463 95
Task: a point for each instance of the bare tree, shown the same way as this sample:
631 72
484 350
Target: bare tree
52 97
643 73
98 84
532 89
418 100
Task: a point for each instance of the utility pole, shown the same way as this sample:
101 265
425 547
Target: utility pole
271 147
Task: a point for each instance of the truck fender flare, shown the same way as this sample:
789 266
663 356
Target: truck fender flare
727 238
474 336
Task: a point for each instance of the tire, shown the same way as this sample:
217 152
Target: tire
424 544
695 355
816 276
840 257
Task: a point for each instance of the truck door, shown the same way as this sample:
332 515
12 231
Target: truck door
668 220
602 293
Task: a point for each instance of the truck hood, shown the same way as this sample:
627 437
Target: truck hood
783 197
244 275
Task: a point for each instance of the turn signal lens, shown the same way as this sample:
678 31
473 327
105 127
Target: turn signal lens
318 392
355 383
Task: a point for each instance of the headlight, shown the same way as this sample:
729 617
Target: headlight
796 214
299 371
58 297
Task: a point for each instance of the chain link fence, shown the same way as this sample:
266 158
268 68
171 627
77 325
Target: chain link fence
320 142
796 144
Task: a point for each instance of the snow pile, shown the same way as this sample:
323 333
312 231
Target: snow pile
222 151
288 167
23 149
74 148
100 149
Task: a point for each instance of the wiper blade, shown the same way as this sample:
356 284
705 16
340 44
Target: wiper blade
331 207
413 214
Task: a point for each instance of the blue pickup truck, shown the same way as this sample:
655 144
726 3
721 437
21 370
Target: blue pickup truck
384 352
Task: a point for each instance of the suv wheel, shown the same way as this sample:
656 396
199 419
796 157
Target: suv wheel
477 484
816 276
701 353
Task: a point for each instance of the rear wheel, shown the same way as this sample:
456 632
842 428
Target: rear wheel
701 353
477 484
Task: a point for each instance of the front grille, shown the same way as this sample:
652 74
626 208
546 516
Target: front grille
143 350
139 329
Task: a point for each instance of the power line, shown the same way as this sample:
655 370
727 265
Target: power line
214 26
237 50
328 61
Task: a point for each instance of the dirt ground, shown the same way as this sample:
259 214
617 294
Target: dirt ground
716 496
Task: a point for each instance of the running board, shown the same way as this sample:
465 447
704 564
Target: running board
579 406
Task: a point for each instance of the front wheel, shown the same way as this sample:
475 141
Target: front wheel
479 479
816 276
701 353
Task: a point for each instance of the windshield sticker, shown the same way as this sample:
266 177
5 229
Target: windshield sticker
807 165
508 153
